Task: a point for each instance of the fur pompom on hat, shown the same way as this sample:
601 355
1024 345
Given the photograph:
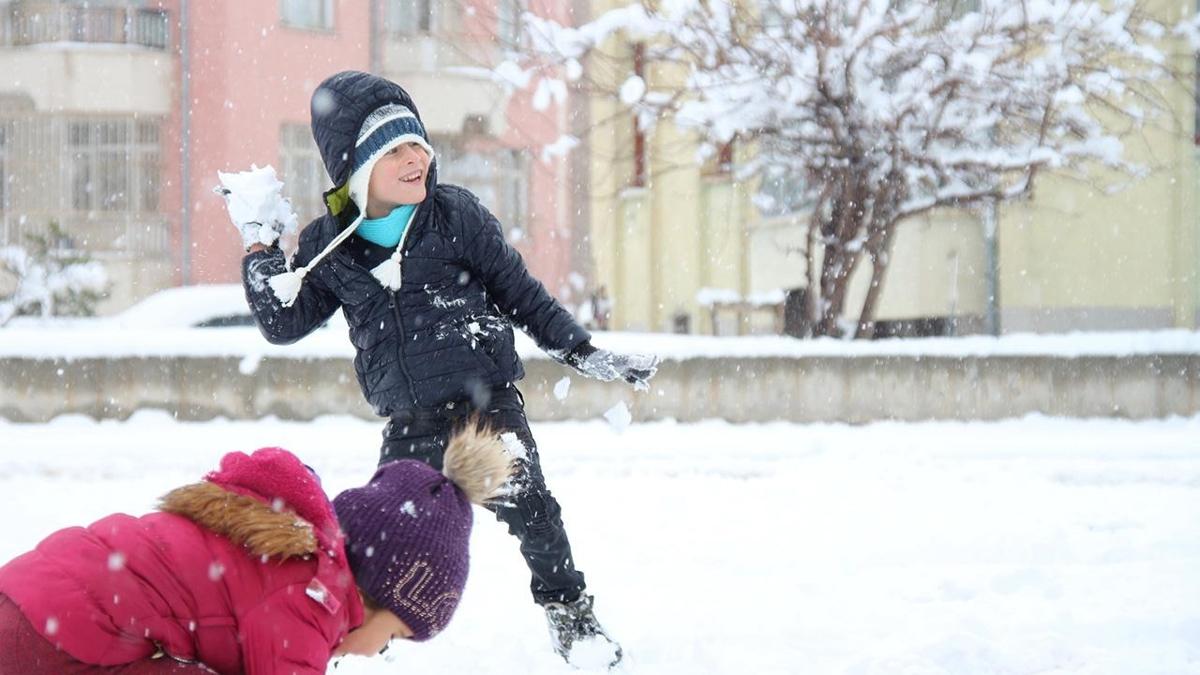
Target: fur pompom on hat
408 529
386 127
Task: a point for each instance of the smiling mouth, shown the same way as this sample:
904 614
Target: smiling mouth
411 178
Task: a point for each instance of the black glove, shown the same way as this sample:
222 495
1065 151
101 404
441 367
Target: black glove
603 365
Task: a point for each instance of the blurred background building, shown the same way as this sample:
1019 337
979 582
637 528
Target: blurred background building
116 115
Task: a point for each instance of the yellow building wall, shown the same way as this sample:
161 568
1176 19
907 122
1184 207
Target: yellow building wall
1079 257
655 247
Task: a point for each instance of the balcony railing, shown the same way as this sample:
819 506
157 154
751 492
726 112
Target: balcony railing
28 23
107 235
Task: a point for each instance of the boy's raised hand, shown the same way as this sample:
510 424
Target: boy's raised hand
606 366
256 206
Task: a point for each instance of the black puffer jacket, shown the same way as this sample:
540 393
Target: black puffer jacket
447 333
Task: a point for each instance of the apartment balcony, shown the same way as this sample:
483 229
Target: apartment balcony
447 81
32 23
103 60
103 235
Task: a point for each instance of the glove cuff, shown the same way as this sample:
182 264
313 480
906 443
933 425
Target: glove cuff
579 354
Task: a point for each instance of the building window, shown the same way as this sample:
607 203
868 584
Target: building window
411 17
721 162
783 190
103 174
308 14
508 23
302 171
116 22
114 165
149 167
499 177
101 163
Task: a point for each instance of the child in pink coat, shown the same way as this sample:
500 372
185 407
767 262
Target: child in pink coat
250 571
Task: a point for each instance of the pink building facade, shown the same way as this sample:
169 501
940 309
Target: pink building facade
219 86
251 76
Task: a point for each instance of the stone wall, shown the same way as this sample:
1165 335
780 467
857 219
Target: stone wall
851 389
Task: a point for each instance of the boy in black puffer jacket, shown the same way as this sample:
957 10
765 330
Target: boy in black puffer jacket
431 290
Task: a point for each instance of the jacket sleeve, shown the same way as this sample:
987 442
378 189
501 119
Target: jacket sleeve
285 325
510 285
283 636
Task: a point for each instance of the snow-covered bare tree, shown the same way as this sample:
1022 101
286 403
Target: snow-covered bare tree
47 280
887 109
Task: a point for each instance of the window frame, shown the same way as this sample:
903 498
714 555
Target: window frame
108 161
326 22
427 12
504 185
302 169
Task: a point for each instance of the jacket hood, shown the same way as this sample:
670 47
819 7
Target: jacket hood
340 105
243 520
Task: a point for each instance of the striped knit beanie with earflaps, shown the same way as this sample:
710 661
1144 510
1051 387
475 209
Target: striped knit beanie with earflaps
387 127
408 529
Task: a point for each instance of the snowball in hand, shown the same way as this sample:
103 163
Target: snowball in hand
256 205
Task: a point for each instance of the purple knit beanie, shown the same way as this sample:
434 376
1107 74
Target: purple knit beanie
408 529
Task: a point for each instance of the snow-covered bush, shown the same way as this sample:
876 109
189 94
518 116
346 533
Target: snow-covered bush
47 278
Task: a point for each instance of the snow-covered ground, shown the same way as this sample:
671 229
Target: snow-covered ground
1033 546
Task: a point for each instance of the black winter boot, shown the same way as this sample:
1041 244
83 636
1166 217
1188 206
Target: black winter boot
578 637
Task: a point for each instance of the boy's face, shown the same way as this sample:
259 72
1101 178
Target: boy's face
397 178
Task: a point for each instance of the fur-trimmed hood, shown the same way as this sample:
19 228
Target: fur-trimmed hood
243 520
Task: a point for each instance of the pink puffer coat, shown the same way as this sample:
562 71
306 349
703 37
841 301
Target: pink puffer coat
245 572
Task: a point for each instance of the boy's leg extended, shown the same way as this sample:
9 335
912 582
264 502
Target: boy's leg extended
534 516
531 512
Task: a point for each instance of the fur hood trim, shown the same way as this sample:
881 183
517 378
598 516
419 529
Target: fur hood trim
246 521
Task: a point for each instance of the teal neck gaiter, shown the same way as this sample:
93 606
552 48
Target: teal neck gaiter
386 231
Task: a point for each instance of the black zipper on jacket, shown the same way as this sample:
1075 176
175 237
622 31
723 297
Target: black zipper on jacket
394 305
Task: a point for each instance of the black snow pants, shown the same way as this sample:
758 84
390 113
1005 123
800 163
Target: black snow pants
532 514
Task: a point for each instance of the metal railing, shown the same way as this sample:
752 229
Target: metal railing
29 23
107 235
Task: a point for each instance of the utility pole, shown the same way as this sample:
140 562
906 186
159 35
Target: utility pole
992 255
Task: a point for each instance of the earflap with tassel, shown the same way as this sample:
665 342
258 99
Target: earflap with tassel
286 285
388 271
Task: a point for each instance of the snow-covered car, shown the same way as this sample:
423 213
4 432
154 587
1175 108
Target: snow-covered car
199 306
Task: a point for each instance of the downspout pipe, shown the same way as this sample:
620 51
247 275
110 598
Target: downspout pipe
992 266
185 145
374 28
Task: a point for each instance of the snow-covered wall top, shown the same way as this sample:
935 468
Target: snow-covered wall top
81 340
